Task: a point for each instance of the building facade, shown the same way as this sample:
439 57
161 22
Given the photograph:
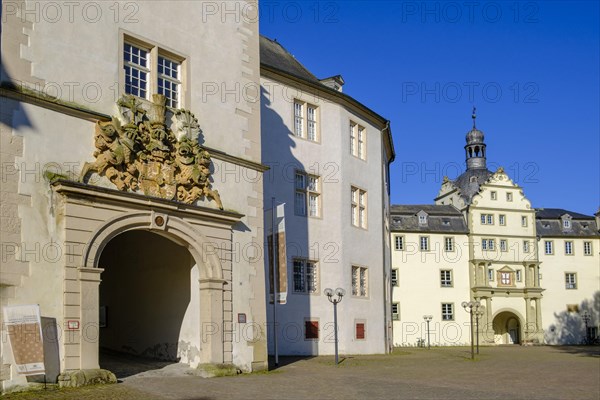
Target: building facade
482 241
128 214
329 161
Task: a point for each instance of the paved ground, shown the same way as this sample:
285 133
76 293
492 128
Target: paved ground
441 373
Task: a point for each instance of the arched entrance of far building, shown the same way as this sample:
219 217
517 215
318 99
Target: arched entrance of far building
507 328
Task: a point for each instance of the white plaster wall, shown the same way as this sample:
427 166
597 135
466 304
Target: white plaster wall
419 291
559 324
331 238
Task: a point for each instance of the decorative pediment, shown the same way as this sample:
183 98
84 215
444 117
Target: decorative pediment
147 155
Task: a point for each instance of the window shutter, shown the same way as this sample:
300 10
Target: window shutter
360 331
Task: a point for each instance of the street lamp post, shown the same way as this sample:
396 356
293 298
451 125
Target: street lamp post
471 307
586 319
428 319
478 314
339 292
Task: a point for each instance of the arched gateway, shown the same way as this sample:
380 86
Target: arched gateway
95 217
507 328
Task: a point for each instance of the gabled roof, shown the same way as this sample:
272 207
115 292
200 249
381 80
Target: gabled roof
441 219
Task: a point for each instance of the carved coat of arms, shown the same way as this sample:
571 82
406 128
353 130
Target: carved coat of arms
145 154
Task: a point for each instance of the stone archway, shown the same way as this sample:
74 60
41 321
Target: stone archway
507 328
94 215
210 281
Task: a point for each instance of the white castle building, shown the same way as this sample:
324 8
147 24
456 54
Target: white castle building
533 271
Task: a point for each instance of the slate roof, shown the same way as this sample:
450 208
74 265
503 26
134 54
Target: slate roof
559 212
275 56
549 223
467 188
441 219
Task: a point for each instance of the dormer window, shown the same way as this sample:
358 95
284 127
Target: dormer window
473 179
566 221
422 216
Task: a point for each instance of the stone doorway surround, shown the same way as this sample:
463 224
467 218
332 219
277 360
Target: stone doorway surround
92 216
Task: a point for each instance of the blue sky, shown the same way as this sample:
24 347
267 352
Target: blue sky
531 69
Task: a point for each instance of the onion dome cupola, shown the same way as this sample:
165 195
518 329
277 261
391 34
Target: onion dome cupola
475 147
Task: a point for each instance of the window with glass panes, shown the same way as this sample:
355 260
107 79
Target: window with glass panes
359 207
358 140
394 277
548 247
360 281
587 248
306 121
569 248
307 200
137 70
305 276
399 242
446 277
148 69
570 280
447 311
449 244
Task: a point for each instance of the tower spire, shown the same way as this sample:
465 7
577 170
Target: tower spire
475 148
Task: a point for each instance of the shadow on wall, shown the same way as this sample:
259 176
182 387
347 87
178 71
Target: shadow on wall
569 326
280 182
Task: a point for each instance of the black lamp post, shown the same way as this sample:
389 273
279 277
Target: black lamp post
428 319
339 292
471 307
478 314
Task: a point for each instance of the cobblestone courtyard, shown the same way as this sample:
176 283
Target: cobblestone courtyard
510 372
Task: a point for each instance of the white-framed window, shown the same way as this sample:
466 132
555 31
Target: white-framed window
567 223
358 140
394 277
169 80
447 311
446 278
490 274
587 248
487 219
306 121
570 280
360 281
569 247
424 243
399 242
503 245
396 311
487 244
307 200
494 195
422 219
359 207
505 278
519 276
305 276
523 220
136 62
548 247
502 219
509 196
525 246
149 69
449 243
